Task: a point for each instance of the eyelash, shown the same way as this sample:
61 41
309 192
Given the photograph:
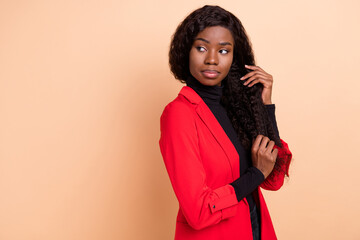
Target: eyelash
225 50
199 49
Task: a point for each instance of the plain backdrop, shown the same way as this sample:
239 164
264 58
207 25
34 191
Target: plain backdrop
82 88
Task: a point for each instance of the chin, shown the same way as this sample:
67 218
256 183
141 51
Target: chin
212 82
208 81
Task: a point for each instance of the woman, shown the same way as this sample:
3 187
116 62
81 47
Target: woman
219 138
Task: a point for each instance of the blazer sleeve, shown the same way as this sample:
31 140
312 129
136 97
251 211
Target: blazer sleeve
201 205
276 178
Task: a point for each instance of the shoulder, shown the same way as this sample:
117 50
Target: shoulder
180 108
180 112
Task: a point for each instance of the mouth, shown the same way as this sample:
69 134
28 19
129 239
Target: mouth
210 73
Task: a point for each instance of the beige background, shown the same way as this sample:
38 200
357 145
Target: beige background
82 87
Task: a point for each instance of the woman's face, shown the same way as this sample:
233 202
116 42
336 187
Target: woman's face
211 55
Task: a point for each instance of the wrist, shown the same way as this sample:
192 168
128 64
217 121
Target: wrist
268 102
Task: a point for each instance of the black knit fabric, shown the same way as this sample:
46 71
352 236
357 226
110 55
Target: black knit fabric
250 177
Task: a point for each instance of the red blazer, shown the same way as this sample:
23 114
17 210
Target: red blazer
201 162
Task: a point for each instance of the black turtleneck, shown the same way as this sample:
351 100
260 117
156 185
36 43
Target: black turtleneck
250 177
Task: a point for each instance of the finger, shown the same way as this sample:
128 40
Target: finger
257 76
253 83
270 146
266 82
257 141
253 67
264 142
275 153
252 74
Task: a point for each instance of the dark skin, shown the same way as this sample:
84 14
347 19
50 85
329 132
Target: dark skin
258 75
263 155
211 55
210 60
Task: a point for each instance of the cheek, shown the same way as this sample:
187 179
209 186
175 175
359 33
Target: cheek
228 62
191 59
194 60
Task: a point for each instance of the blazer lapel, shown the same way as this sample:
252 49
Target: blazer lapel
215 128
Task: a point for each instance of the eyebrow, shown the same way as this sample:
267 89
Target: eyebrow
221 43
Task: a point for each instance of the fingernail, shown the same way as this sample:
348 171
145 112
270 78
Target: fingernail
241 78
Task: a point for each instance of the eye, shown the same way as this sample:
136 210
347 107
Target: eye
223 51
201 49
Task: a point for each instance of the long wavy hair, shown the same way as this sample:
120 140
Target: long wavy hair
244 105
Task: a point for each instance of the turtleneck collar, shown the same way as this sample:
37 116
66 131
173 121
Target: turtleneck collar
209 94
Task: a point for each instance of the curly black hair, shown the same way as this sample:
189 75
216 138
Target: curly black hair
244 105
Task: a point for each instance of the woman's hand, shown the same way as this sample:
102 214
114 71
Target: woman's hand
259 75
262 154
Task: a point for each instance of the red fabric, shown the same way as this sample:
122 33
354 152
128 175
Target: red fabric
276 178
201 162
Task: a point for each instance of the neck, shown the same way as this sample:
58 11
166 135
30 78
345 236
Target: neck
209 94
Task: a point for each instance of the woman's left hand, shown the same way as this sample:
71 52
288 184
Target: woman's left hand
259 75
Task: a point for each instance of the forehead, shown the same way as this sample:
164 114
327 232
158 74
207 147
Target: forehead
216 34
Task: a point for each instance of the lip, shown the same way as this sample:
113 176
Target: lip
210 73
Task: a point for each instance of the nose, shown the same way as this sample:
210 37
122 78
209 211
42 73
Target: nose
212 58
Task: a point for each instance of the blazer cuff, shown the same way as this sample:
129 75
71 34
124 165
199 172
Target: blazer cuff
226 201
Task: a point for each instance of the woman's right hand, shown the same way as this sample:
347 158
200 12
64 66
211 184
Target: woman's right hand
262 154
